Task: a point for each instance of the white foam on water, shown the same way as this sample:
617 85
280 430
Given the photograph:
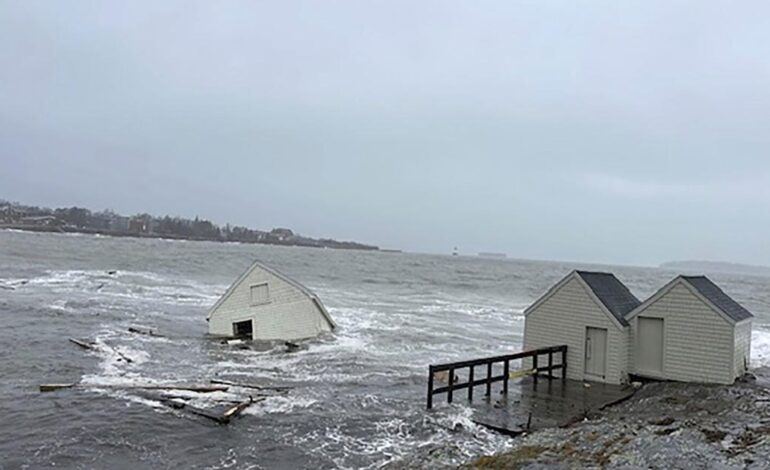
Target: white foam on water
760 347
143 401
125 286
280 405
60 306
394 438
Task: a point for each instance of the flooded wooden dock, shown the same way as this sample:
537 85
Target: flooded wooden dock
531 405
530 398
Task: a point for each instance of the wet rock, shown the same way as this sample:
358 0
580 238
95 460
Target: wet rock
665 425
713 435
666 431
662 422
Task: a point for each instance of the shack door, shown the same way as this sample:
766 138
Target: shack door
650 346
243 329
596 352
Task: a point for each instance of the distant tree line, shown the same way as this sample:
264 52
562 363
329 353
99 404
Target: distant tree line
78 219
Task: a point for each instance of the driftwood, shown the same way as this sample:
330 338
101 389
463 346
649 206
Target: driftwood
141 331
221 417
201 388
235 410
95 347
83 344
276 388
122 356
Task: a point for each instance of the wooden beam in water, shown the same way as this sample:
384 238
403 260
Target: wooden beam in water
200 388
141 331
95 347
277 388
83 344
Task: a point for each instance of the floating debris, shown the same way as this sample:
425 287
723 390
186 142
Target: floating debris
146 332
199 388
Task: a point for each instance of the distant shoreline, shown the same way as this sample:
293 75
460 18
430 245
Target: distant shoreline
121 234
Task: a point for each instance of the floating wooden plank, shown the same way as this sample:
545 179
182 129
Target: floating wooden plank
122 356
54 387
215 414
142 331
234 411
83 344
200 388
521 373
277 388
90 346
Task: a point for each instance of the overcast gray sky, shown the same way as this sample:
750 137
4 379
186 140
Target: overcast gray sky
621 132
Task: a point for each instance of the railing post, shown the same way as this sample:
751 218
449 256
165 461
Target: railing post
489 378
430 387
550 364
564 363
470 383
451 385
505 374
534 366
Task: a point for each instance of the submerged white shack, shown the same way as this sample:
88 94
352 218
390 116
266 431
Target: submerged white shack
689 331
264 304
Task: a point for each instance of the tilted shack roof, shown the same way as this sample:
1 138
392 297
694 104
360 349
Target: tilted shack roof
257 265
718 298
611 292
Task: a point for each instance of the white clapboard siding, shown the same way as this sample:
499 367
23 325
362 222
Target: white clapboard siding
742 347
698 342
290 312
563 317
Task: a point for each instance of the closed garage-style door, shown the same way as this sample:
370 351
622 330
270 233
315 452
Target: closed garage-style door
650 346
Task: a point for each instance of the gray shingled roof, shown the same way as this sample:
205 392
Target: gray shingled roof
612 293
716 296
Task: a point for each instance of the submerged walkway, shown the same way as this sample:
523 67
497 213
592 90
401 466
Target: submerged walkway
530 405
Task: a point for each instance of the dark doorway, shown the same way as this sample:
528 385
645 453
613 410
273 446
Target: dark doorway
243 329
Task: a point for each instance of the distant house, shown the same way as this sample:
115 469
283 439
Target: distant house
264 304
41 221
691 331
281 234
585 311
688 331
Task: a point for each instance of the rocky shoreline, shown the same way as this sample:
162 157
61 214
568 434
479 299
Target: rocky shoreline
664 425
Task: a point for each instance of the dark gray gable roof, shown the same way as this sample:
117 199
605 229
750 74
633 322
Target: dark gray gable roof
612 293
716 296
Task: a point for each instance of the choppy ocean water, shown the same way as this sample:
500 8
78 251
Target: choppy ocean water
359 395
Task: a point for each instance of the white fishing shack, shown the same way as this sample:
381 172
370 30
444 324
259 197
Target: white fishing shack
585 311
689 331
264 304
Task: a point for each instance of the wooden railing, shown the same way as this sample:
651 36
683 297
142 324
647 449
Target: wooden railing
453 383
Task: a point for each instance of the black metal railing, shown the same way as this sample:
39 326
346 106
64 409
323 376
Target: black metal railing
453 383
